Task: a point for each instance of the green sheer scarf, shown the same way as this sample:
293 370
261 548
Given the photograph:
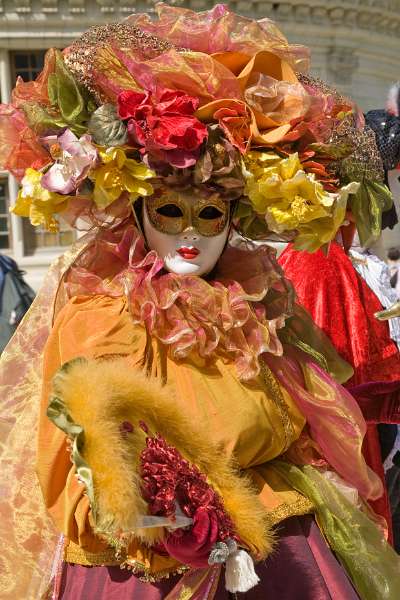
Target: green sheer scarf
369 560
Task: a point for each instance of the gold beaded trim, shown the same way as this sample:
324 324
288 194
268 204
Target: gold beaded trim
301 506
275 393
77 555
82 52
143 573
322 86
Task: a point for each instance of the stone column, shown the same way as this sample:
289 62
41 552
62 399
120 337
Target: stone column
16 223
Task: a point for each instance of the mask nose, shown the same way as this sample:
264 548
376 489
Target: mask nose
190 234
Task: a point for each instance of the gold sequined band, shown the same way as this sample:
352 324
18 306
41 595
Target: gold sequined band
77 555
81 54
144 574
275 392
301 506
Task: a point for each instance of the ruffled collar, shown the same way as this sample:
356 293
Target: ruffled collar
228 315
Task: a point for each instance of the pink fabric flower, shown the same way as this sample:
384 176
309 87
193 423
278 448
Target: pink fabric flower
77 158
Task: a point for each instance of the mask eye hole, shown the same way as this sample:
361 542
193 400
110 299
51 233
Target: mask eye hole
170 210
210 213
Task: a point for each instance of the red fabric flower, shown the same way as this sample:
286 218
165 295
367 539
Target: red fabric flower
176 132
193 546
135 105
176 103
167 480
164 124
136 133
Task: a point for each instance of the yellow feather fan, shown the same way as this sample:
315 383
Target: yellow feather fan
93 398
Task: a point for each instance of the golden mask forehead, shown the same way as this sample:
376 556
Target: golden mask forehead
193 198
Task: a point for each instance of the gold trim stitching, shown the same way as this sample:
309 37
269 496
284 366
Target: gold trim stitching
143 573
275 392
301 506
77 555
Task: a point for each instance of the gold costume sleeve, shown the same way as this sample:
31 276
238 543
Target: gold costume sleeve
74 334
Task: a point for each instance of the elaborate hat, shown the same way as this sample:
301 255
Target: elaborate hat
206 99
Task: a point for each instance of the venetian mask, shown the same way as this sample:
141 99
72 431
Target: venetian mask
188 230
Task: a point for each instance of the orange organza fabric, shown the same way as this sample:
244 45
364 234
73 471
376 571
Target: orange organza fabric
28 536
220 30
19 146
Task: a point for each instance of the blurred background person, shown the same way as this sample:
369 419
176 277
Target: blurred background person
16 296
378 276
394 265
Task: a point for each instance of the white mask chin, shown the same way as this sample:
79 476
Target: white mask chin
202 252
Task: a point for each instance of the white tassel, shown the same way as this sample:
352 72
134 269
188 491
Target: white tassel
240 575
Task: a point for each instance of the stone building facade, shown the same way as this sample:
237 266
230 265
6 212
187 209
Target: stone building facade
355 45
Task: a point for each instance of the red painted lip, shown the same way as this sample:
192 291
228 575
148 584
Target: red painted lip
188 253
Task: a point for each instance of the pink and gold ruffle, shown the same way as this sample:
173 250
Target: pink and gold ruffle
192 316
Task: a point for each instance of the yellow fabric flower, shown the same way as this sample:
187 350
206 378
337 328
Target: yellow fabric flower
37 203
314 235
292 200
118 174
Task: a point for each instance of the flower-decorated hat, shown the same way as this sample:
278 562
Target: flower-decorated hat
208 99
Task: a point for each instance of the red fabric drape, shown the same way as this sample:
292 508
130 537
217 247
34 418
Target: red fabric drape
343 305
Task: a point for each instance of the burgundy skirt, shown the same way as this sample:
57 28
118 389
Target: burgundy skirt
302 566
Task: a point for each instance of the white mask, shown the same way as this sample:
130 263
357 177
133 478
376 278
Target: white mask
197 231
